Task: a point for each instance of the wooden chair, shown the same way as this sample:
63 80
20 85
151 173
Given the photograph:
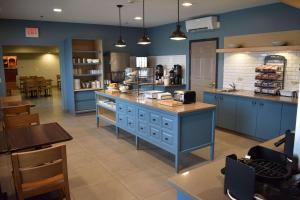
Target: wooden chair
31 87
20 121
17 110
39 172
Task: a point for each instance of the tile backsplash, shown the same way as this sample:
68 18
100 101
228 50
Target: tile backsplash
168 62
240 68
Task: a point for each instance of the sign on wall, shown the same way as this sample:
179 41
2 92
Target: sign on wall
32 32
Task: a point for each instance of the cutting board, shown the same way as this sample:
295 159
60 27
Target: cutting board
170 103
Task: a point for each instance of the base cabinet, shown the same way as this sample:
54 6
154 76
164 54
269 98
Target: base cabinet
261 119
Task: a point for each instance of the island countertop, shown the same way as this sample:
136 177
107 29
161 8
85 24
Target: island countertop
207 182
180 109
251 94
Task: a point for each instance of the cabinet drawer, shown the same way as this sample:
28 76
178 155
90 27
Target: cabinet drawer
155 119
143 115
155 134
121 108
143 129
121 120
131 111
167 138
130 123
168 123
85 105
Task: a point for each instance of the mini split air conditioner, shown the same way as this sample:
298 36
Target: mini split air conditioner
205 23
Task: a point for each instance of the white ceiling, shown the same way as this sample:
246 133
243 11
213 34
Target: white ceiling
158 12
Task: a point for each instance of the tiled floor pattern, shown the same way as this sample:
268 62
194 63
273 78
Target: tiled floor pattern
104 167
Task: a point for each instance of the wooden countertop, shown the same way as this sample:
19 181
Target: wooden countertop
207 182
182 109
251 94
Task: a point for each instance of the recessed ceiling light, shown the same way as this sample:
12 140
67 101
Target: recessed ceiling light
57 10
186 4
138 18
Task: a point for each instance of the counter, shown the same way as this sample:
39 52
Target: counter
251 94
207 182
179 129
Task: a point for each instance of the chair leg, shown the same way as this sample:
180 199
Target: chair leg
67 192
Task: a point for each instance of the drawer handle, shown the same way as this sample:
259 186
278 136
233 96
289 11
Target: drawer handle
166 139
153 119
153 133
129 111
120 108
166 124
129 123
141 115
142 128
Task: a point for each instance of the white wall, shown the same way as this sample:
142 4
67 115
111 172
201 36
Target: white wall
240 68
168 62
46 65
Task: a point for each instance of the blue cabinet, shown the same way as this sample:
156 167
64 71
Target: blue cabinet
288 120
226 113
268 119
84 101
246 116
257 118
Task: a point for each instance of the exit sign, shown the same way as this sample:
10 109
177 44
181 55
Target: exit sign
32 32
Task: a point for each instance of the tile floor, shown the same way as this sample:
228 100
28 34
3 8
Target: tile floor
104 167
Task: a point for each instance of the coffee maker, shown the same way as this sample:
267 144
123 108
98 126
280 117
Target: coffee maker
159 72
177 74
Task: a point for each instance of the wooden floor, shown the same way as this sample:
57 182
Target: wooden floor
103 167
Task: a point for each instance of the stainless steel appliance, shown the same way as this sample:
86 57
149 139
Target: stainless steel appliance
185 96
114 66
177 74
159 72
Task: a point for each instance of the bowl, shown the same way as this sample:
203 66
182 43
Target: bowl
234 45
279 43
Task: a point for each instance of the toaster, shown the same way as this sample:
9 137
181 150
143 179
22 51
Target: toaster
185 96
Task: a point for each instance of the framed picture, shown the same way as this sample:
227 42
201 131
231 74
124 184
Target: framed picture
10 62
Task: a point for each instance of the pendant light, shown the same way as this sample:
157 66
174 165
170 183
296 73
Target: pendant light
144 40
178 34
120 43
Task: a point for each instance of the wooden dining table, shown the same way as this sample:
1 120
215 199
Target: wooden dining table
33 137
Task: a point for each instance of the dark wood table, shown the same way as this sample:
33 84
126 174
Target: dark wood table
34 137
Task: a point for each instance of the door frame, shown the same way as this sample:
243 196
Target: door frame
217 58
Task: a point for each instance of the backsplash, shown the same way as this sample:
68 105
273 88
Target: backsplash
168 62
240 68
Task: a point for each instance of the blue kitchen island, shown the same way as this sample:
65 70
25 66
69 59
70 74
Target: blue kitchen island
178 129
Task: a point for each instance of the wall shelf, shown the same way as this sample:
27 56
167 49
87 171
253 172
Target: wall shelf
81 75
86 64
87 89
259 49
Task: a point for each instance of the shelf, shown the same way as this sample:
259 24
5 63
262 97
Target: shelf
85 51
259 49
107 115
87 89
106 106
84 111
86 64
81 75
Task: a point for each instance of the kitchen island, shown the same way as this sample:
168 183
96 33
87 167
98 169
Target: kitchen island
179 129
207 182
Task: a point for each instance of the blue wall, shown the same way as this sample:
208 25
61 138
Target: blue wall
270 18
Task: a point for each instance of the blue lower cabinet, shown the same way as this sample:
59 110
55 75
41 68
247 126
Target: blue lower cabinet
131 124
289 114
131 110
155 119
155 134
268 120
121 108
226 114
143 129
85 105
167 138
246 116
121 120
143 115
84 95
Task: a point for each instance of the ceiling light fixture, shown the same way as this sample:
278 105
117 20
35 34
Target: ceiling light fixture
120 43
186 4
58 10
178 34
144 40
138 18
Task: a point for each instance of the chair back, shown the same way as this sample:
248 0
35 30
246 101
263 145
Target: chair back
17 110
32 169
20 121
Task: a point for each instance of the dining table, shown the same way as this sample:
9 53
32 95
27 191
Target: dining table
33 137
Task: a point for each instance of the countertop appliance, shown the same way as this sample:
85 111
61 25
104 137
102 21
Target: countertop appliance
114 66
164 95
152 94
178 74
159 72
263 174
185 96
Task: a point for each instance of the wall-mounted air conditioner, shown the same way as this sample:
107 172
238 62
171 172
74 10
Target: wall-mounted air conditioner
204 23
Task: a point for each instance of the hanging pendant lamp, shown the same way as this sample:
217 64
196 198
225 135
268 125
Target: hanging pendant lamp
120 43
144 40
178 34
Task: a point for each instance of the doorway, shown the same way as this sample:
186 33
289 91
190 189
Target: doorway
34 73
203 65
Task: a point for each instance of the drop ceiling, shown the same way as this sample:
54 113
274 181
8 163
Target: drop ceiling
158 12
